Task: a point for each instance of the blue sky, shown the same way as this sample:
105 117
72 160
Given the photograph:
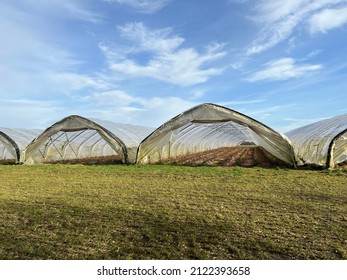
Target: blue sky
283 63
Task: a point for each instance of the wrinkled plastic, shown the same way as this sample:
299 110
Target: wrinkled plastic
210 126
75 137
13 141
323 143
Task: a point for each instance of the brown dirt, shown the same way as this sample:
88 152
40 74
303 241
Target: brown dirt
90 160
7 161
229 156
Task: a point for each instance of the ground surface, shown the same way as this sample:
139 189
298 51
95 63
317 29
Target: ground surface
246 156
91 160
171 212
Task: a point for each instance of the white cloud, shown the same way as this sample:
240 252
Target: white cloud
30 65
283 69
181 68
271 11
33 68
168 62
71 9
327 19
78 11
113 98
34 113
314 53
120 106
262 114
70 82
279 19
143 6
157 110
197 93
158 40
241 102
267 113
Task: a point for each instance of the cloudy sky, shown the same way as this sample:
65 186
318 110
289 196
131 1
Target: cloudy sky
144 61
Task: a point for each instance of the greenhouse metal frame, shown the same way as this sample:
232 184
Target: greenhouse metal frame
76 137
209 126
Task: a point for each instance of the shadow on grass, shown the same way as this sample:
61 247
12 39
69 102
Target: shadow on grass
54 231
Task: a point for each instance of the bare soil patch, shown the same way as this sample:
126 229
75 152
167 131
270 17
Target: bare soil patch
229 156
7 161
90 160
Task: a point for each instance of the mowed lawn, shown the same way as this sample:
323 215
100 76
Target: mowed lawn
171 212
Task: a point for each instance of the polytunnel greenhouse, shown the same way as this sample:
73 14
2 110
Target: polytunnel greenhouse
78 139
214 135
13 141
323 143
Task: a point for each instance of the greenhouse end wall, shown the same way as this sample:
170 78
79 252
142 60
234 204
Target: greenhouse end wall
210 126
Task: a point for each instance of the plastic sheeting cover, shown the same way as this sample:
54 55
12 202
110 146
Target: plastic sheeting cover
210 126
75 137
14 140
323 143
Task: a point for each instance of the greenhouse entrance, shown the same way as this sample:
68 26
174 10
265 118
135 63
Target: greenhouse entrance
8 152
338 154
84 147
76 139
321 144
210 134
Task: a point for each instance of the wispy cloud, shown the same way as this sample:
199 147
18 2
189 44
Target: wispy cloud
118 105
293 123
143 6
314 53
327 19
242 102
157 40
79 11
42 70
44 81
168 60
72 82
70 9
113 98
279 19
38 113
265 113
283 69
30 63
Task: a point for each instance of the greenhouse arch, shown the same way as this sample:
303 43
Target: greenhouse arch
13 141
9 149
79 138
337 152
208 127
323 143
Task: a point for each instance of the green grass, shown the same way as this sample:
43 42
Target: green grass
171 212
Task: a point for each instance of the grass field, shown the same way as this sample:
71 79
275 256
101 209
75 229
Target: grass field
171 212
